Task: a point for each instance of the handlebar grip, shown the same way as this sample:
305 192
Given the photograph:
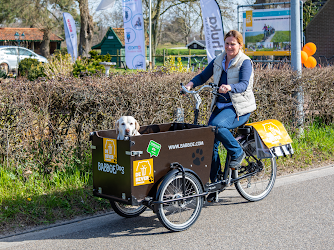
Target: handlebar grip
182 92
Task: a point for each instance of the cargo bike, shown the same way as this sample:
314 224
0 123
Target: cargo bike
167 167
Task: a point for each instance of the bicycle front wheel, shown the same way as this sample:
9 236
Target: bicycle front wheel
181 214
258 185
127 211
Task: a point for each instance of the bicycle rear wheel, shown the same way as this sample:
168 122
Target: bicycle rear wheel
258 185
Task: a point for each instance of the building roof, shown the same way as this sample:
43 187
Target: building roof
30 34
320 31
119 32
199 42
323 8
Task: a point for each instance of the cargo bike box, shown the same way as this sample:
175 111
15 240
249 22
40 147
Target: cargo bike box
130 171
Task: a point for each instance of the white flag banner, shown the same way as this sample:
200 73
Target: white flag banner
105 4
70 35
134 34
213 27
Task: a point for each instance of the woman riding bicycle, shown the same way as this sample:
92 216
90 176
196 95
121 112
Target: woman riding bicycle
233 73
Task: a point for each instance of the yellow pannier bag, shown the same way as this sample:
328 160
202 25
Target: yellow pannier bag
271 138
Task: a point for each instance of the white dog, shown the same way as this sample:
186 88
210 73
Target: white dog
126 126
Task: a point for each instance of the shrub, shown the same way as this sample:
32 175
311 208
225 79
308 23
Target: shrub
171 67
3 74
62 51
59 64
90 66
36 71
104 58
25 66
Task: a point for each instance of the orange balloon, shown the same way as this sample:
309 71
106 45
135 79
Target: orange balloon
310 49
310 62
304 56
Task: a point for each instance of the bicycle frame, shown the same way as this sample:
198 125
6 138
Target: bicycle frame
226 179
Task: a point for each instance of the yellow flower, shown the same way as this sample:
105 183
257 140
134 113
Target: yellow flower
29 199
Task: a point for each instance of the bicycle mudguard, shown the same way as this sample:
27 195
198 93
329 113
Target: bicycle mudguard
175 172
272 139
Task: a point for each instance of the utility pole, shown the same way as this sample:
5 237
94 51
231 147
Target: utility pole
150 35
296 63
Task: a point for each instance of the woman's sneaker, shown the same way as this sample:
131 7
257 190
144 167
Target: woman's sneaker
236 163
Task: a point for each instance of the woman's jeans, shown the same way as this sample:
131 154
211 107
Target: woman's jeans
224 120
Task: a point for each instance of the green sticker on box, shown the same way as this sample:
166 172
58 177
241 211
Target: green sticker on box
153 148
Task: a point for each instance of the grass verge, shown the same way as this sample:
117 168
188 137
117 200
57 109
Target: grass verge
39 199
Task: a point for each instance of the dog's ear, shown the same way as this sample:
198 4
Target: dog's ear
117 126
137 125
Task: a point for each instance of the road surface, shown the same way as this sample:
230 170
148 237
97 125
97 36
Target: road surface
297 214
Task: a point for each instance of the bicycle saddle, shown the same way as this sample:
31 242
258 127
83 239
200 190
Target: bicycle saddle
244 130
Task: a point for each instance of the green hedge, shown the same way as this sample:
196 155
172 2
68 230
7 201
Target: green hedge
45 123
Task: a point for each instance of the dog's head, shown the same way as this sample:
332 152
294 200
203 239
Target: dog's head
126 126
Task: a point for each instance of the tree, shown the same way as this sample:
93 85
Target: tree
43 14
177 30
163 7
86 29
47 15
38 16
8 11
310 9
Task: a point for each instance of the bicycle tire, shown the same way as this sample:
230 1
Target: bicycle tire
257 186
179 215
127 211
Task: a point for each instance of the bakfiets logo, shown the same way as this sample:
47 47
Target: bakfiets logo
143 172
110 168
273 133
134 47
110 150
110 155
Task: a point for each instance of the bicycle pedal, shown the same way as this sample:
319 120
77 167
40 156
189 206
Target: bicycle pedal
217 198
213 197
236 168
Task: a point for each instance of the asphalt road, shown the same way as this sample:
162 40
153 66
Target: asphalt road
297 214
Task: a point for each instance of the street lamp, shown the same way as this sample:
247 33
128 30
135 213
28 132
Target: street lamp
18 38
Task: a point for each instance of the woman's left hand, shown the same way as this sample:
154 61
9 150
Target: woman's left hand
223 89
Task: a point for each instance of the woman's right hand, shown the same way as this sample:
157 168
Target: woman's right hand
189 86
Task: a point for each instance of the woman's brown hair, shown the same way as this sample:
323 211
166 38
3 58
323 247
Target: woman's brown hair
235 34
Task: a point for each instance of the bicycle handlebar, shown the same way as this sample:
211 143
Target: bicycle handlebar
193 92
211 85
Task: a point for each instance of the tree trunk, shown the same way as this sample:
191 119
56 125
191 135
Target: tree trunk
155 26
201 32
45 45
86 30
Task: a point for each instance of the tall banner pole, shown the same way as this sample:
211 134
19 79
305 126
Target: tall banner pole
70 35
134 34
150 34
213 27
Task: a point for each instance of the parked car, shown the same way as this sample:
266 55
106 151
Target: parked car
10 56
